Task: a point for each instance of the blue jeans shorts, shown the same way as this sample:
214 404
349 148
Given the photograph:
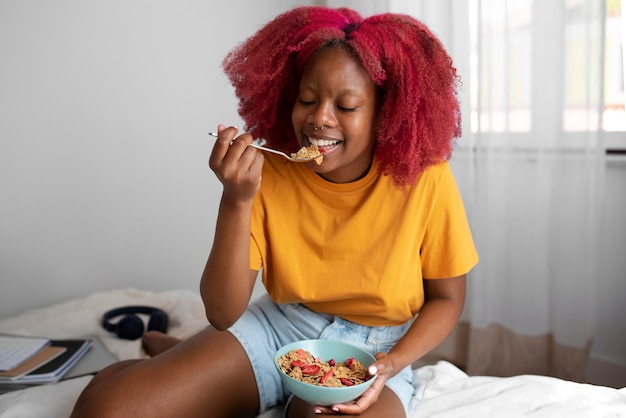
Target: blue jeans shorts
267 326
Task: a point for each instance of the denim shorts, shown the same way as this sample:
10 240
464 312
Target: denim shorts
267 326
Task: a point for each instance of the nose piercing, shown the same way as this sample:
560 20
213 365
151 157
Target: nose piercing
315 127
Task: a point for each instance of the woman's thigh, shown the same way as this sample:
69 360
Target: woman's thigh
208 374
388 405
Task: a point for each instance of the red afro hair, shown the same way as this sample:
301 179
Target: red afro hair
419 117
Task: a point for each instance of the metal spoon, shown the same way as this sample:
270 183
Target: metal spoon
259 145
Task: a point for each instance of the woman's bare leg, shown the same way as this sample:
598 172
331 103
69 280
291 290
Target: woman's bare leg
388 405
208 374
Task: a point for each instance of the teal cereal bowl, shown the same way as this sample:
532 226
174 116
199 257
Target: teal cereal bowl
325 350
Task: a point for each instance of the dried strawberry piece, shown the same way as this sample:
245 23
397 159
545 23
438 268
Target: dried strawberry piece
326 376
349 362
310 369
298 363
346 381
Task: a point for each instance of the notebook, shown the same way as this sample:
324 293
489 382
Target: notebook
16 349
93 361
33 363
52 371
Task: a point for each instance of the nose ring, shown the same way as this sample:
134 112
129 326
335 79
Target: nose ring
315 127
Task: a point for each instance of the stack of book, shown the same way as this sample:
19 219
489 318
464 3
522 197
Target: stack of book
33 360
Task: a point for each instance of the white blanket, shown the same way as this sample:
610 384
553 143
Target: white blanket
442 390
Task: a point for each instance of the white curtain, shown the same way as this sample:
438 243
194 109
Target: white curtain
530 166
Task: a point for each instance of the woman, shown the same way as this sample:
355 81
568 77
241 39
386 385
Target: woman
371 246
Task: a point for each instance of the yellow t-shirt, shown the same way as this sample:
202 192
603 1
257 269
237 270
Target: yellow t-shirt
357 250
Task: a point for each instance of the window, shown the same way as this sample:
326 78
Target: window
542 68
614 117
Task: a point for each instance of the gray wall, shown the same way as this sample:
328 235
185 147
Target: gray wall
104 112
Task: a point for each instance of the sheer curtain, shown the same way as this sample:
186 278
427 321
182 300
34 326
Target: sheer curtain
530 166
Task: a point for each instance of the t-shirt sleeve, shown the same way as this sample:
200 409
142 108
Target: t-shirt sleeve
448 248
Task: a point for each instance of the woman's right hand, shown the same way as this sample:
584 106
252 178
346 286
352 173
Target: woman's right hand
227 281
236 165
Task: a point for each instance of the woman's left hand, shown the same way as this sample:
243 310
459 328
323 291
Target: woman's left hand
438 317
384 369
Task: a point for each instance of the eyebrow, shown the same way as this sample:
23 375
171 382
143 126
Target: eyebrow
347 91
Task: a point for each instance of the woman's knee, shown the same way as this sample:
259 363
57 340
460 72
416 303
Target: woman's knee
90 402
207 372
387 405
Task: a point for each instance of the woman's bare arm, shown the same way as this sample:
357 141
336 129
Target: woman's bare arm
442 309
227 280
445 299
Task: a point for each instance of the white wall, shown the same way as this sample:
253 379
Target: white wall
104 112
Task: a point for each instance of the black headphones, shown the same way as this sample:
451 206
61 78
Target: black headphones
130 327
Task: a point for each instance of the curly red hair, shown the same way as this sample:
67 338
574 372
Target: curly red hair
419 115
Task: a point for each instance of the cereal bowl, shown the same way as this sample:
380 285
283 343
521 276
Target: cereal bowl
325 350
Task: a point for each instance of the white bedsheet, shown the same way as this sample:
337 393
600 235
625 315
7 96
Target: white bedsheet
442 389
446 391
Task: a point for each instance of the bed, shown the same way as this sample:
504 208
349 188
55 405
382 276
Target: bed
442 390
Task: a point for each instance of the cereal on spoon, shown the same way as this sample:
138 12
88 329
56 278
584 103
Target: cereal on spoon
309 152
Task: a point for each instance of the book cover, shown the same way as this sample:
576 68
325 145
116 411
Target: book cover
55 369
15 349
97 358
44 356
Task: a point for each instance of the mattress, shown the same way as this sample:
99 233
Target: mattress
442 390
